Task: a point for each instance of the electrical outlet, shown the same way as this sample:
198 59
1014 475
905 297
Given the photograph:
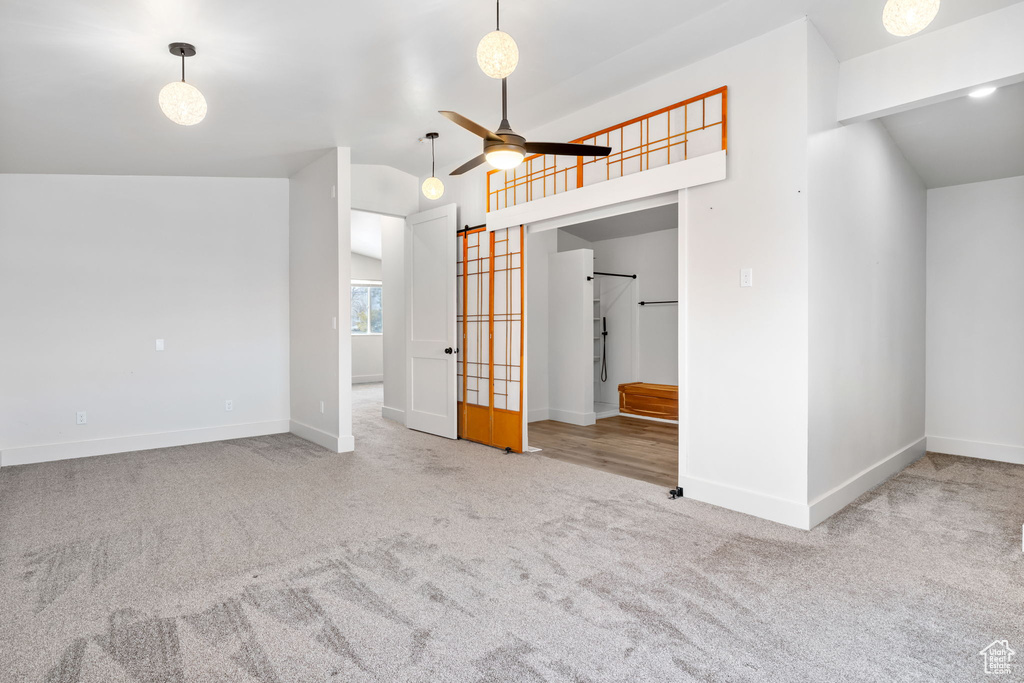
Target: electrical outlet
321 407
80 417
229 405
747 277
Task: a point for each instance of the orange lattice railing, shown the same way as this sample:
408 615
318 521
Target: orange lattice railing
684 130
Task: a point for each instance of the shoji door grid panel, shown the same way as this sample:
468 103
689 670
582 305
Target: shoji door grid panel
491 282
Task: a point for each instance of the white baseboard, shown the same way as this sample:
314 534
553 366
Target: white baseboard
338 444
827 504
649 418
367 379
396 414
977 449
538 415
581 419
137 442
788 512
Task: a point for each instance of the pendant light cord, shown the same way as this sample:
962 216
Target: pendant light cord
497 15
432 158
182 65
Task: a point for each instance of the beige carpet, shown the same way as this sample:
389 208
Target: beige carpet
420 559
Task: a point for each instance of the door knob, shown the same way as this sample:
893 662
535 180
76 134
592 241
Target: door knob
448 350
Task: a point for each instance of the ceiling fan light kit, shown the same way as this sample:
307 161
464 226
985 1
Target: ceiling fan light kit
182 102
907 17
497 53
505 149
432 187
504 157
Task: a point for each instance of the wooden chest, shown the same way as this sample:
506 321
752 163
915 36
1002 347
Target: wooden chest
649 400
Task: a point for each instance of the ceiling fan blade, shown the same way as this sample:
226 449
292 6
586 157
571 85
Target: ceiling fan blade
569 149
471 126
470 165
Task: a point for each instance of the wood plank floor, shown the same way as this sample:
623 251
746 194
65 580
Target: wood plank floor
639 449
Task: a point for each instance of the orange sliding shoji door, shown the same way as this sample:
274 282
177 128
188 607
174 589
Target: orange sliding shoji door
490 317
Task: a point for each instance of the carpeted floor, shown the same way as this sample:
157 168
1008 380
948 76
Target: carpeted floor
420 559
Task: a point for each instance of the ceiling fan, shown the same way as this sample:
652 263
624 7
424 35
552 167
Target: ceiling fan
505 149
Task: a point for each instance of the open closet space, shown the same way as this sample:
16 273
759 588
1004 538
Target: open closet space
603 321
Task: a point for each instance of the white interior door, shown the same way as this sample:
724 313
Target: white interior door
431 342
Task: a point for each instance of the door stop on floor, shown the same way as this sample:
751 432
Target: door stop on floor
677 492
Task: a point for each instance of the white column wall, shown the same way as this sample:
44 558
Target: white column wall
320 276
867 301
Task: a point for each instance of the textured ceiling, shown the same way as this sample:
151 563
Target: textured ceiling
79 80
965 140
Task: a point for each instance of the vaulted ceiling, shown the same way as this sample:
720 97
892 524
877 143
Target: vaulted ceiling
79 80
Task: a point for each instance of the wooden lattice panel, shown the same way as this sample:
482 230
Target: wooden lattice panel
490 317
684 130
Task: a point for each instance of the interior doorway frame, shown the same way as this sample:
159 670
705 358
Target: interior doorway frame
647 189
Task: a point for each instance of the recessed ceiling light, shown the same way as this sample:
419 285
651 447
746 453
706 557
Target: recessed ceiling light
983 92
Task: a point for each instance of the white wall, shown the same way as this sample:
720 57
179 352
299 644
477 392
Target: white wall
747 375
393 272
570 326
367 349
384 190
976 320
569 242
320 277
646 337
94 269
867 301
747 443
366 268
539 247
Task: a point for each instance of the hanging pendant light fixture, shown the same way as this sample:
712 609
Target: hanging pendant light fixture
497 54
180 101
433 188
907 17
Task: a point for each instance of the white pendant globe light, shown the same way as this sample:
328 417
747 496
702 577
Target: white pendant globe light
180 101
432 188
497 53
907 17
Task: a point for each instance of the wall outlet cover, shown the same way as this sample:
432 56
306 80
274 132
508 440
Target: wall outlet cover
80 417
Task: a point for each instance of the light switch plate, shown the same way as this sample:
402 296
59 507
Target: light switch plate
159 344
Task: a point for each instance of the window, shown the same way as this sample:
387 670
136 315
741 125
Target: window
367 312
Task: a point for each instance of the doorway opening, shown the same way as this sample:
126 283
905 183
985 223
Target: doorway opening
603 332
377 313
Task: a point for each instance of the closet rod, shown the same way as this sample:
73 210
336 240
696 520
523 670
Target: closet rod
651 303
612 275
